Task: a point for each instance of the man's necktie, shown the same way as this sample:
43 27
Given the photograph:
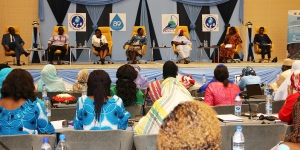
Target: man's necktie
12 38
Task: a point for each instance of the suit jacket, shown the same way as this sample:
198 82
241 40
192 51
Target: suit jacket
259 39
6 39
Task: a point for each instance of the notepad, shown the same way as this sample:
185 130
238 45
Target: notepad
229 118
228 46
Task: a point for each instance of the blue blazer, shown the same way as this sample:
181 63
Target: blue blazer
6 39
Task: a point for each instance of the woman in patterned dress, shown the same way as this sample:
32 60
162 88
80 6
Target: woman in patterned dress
232 38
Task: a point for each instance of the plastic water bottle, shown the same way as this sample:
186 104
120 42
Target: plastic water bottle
277 77
204 43
266 88
153 43
85 43
75 44
237 105
238 141
268 105
46 145
47 107
62 144
250 58
203 79
44 92
83 91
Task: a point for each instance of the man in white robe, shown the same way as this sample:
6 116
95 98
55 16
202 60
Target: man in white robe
183 46
286 71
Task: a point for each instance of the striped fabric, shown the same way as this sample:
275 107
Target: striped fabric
154 90
173 93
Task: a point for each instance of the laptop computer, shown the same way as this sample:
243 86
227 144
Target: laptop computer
254 91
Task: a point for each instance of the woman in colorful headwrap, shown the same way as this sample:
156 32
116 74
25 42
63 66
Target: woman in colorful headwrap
4 71
82 78
183 46
52 81
285 113
140 81
173 93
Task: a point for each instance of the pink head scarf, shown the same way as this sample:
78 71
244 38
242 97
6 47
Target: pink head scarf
295 80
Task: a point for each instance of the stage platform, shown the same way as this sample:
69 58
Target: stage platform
153 70
149 65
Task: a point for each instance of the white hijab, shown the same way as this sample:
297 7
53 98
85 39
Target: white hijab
282 91
183 38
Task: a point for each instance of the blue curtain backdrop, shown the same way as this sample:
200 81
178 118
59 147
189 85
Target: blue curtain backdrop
94 2
95 13
202 2
144 22
241 11
41 10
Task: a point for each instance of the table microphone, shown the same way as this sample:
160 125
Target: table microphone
245 99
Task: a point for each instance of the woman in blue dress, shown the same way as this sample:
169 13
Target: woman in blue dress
99 110
20 111
136 43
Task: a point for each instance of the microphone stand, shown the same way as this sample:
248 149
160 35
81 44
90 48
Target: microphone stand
245 99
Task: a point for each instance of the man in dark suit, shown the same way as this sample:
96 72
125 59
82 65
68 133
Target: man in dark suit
13 41
264 43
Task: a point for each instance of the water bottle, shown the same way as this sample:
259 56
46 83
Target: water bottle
42 46
75 44
203 79
47 107
266 88
277 77
39 46
62 144
85 43
237 105
238 141
250 58
268 105
83 91
44 92
46 145
204 43
153 43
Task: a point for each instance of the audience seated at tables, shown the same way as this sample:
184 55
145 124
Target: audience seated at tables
126 88
286 71
221 92
248 77
141 82
285 113
82 78
191 125
204 86
21 113
50 78
100 110
294 143
173 93
4 71
285 88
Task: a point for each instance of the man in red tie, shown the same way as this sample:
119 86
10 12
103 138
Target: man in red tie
13 41
58 42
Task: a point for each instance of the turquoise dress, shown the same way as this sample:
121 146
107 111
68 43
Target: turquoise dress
29 118
113 115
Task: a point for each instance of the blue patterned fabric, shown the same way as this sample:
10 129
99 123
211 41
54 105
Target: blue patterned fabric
3 73
245 80
29 118
113 115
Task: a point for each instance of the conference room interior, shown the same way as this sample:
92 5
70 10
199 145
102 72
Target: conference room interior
271 14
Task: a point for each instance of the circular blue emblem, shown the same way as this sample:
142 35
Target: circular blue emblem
77 21
210 22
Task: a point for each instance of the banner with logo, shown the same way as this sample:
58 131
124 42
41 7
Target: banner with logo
117 21
210 22
293 34
77 22
169 23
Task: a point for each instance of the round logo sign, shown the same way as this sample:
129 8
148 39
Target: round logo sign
77 22
210 23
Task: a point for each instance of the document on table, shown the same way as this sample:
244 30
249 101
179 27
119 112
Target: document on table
228 46
229 118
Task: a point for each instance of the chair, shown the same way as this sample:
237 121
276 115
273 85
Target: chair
276 106
100 140
134 110
63 113
229 109
12 53
107 33
237 48
145 142
257 50
58 52
144 47
21 142
185 33
257 136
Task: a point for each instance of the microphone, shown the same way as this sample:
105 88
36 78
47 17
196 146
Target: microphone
245 99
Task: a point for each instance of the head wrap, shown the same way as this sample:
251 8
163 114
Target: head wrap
3 74
82 78
50 78
295 80
248 71
140 81
288 62
179 31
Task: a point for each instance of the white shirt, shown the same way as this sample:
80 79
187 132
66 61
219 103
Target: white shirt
11 38
59 40
96 41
